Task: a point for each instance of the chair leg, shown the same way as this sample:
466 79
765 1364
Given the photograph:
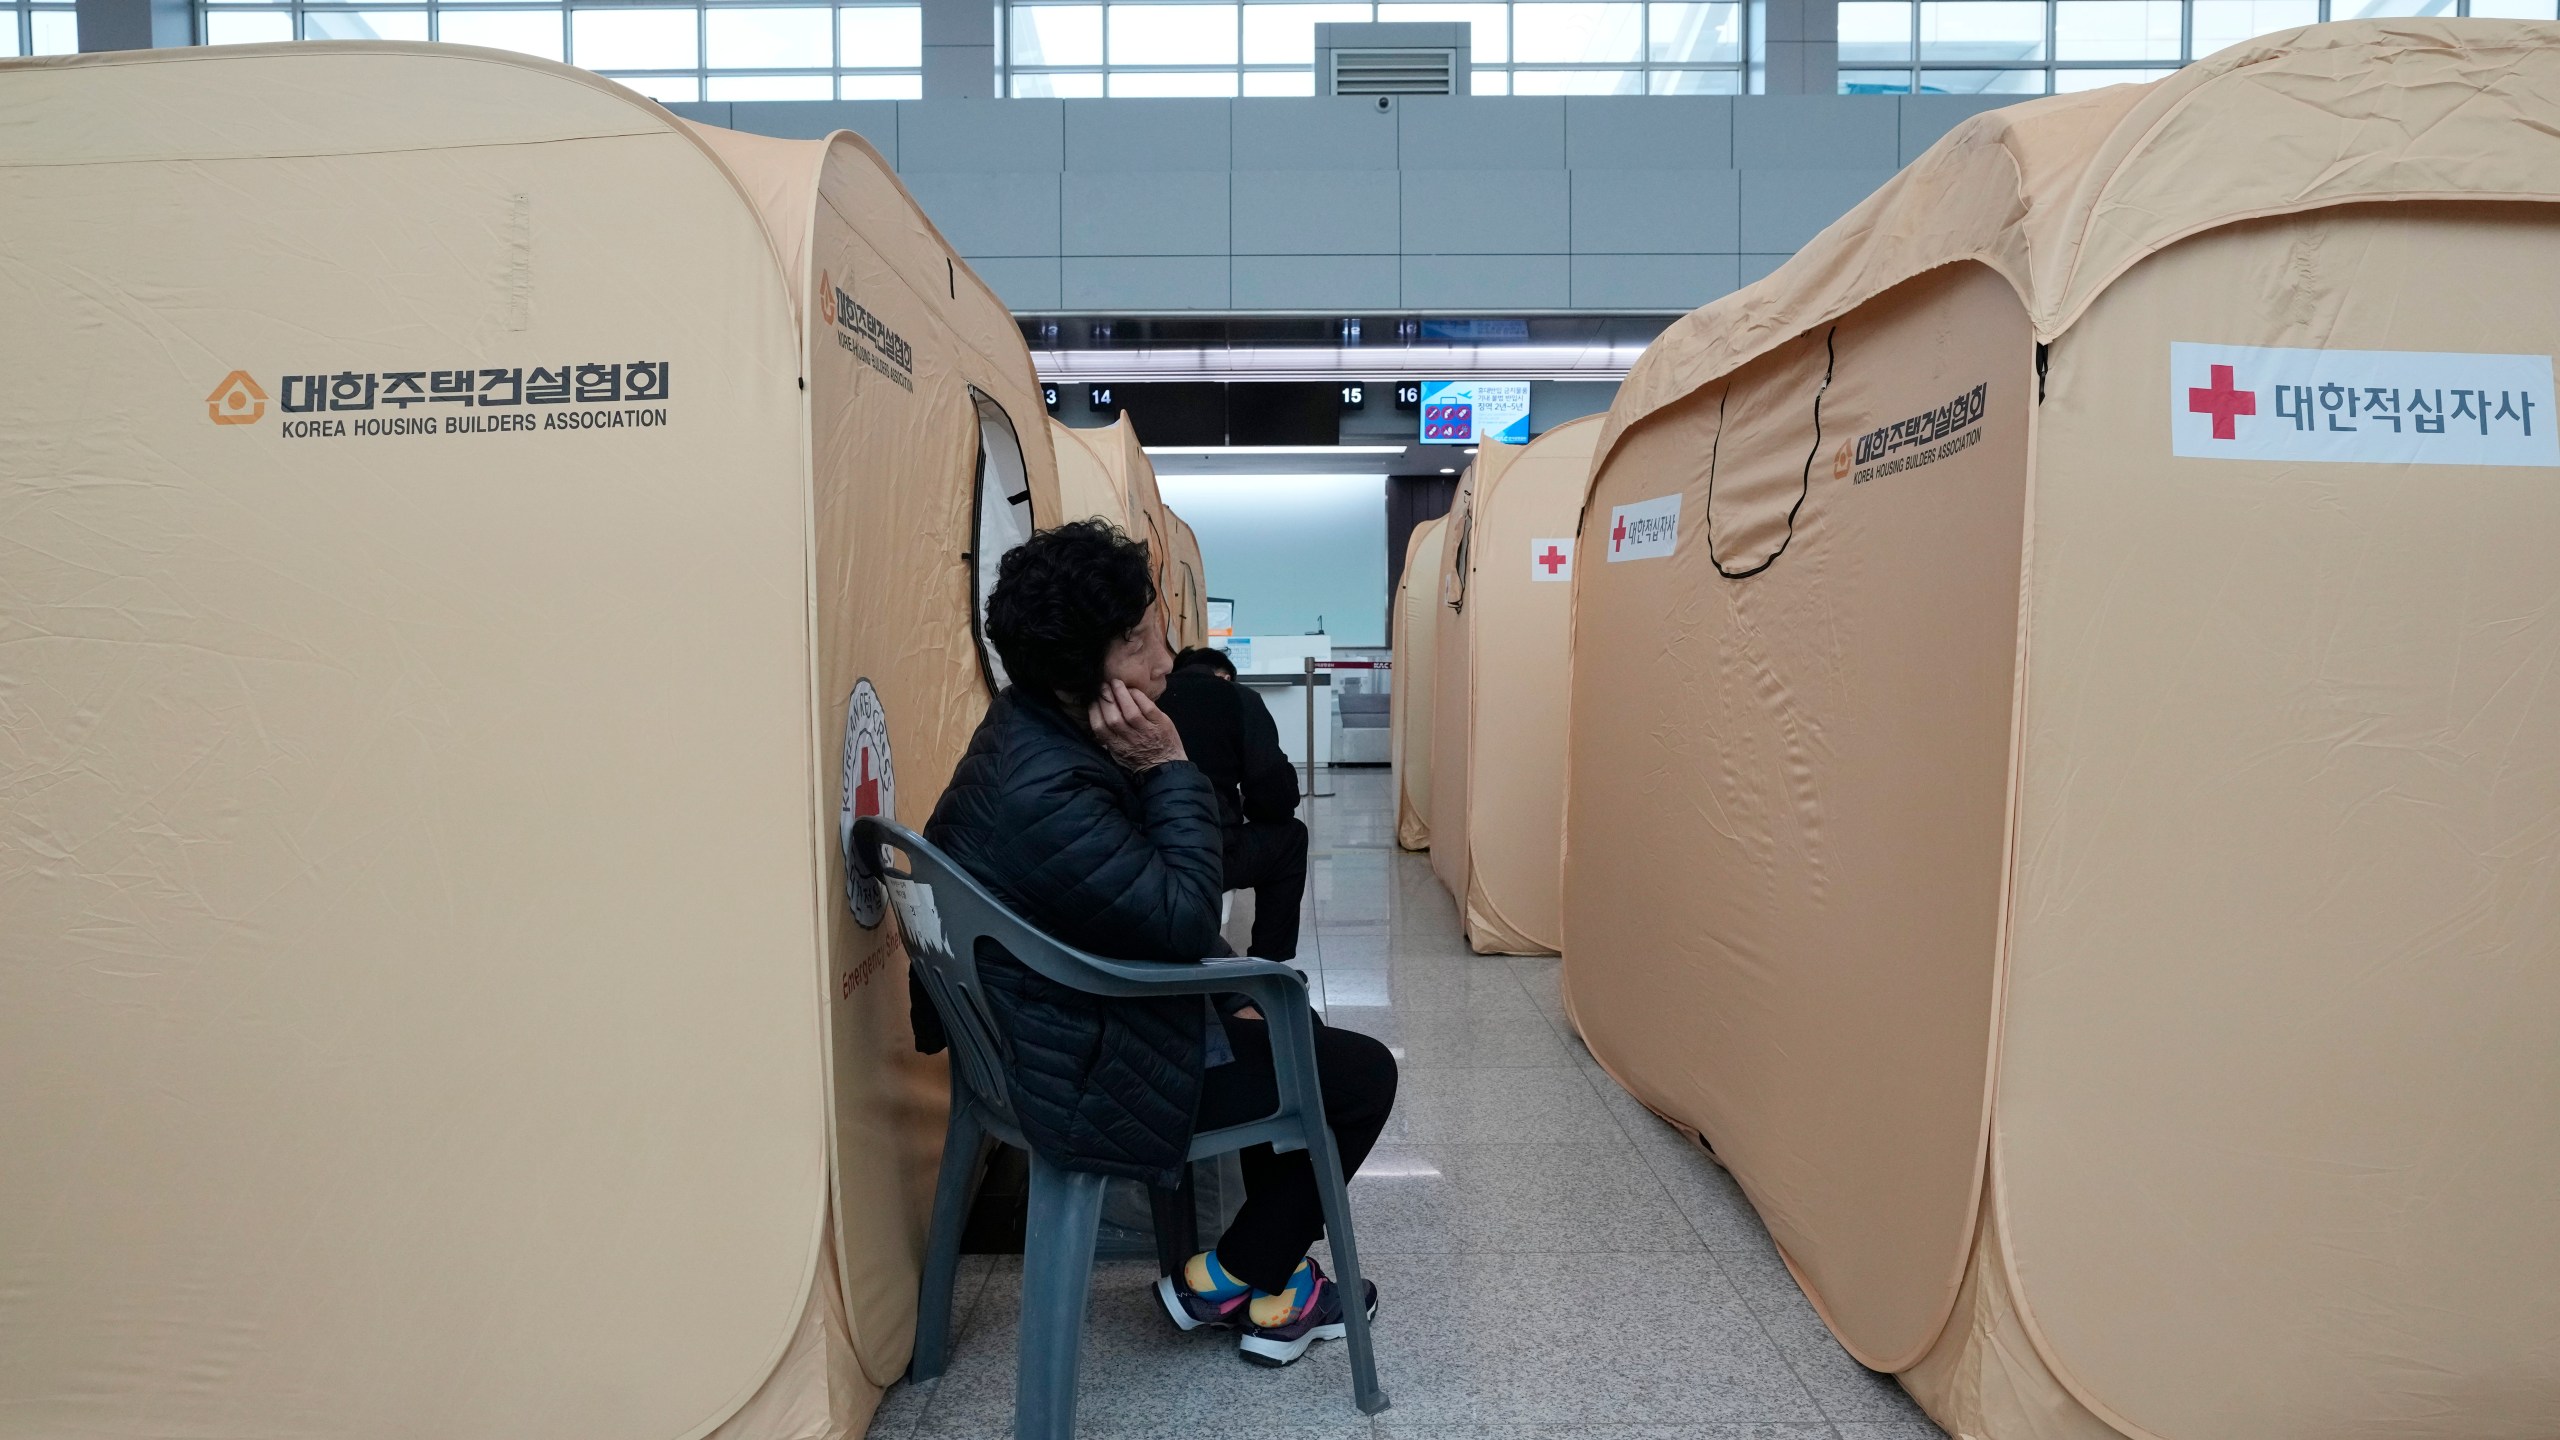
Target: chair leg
1177 1222
1057 1274
1365 1390
961 1145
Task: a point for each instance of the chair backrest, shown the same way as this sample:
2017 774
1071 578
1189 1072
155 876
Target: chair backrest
944 913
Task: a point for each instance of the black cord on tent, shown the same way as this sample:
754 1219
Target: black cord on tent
2042 350
1804 487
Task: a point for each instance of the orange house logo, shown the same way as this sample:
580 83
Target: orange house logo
236 401
827 297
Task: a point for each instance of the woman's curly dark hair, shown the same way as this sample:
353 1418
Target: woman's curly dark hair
1062 598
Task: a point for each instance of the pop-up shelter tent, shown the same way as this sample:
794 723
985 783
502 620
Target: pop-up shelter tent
470 541
1410 692
1448 671
1111 456
1086 487
1504 623
2062 795
1190 596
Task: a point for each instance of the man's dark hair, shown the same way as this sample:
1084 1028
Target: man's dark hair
1062 599
1205 658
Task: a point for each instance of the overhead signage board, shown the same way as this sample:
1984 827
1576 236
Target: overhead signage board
1470 412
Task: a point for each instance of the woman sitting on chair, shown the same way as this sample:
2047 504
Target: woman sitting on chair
1076 806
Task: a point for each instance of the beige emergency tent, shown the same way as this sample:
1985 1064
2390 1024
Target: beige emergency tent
1087 487
469 540
1105 473
1414 679
1498 718
2063 792
1190 595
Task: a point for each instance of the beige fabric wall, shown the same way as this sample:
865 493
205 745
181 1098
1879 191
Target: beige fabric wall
369 903
1417 679
1190 585
1451 735
1515 627
2286 822
1086 489
1787 795
1123 459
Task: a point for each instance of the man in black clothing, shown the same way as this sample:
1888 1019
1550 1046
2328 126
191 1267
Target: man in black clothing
1230 736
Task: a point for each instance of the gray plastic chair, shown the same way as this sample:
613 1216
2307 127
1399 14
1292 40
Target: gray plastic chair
944 912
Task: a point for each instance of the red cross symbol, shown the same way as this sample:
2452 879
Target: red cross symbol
1554 559
2224 401
1618 537
866 791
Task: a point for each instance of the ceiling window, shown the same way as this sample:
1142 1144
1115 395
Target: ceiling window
2040 47
672 52
1066 49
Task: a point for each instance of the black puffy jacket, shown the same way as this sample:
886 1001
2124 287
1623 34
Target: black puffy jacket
1125 866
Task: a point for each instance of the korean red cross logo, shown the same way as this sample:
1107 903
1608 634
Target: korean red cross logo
2224 400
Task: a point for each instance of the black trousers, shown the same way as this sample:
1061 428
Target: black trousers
1283 1211
1269 858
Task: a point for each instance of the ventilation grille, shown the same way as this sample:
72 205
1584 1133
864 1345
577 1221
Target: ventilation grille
1394 72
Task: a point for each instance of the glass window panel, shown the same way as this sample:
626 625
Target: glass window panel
1057 34
880 87
1489 38
1086 86
1696 82
1279 82
2066 82
1982 82
1150 83
2117 30
1286 34
1875 82
1488 82
230 27
880 37
779 38
2220 24
364 25
1577 82
1172 35
2370 9
2515 9
1575 33
1982 30
655 39
1874 31
8 34
1694 34
665 89
770 87
533 32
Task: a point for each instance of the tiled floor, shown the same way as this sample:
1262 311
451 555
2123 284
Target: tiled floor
1554 1263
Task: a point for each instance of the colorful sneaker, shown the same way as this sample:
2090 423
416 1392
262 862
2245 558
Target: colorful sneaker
1189 1309
1278 1345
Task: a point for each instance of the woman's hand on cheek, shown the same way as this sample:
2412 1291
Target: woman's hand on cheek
1132 729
